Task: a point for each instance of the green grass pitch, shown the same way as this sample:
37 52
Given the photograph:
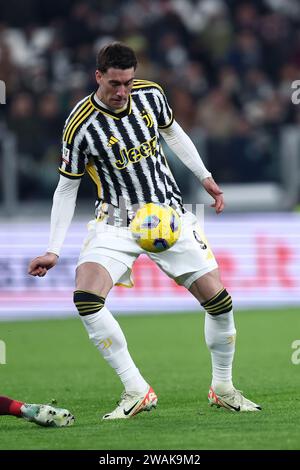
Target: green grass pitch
54 359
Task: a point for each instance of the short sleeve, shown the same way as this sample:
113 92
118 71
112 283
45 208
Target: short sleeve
166 114
72 163
74 142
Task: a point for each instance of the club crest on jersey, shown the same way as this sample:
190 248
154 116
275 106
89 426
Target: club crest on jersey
146 115
203 246
135 154
66 154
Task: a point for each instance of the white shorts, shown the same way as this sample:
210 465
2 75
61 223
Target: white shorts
116 250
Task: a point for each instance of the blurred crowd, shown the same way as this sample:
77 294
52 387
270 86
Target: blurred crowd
226 66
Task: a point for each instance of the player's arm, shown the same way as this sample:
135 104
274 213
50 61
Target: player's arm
181 144
72 168
64 202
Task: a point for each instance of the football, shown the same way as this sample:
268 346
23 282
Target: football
156 227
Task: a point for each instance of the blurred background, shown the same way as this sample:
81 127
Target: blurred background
227 68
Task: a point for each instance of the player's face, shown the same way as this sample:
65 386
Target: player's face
115 86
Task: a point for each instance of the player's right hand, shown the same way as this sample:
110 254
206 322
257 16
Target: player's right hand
40 265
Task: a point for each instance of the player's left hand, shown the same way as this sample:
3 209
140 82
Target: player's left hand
213 189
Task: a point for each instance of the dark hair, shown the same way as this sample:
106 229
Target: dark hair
116 55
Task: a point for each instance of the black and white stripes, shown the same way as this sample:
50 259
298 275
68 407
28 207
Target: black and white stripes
121 151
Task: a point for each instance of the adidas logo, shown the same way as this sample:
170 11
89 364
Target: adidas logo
112 141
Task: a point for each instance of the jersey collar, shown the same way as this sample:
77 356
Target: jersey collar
110 112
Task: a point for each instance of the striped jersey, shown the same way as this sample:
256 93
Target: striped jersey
121 151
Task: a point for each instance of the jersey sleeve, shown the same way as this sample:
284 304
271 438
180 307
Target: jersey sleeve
74 147
166 114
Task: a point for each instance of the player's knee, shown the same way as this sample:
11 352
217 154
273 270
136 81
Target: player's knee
219 303
87 302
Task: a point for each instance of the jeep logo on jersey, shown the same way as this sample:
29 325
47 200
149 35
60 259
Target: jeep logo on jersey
135 154
203 246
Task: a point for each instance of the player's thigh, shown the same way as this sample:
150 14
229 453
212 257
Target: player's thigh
93 277
206 286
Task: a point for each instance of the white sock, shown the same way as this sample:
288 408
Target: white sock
105 332
220 335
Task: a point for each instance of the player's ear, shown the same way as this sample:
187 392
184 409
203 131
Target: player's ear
98 76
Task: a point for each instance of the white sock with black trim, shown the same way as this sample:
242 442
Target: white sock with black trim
220 336
105 332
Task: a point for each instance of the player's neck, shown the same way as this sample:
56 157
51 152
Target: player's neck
101 103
